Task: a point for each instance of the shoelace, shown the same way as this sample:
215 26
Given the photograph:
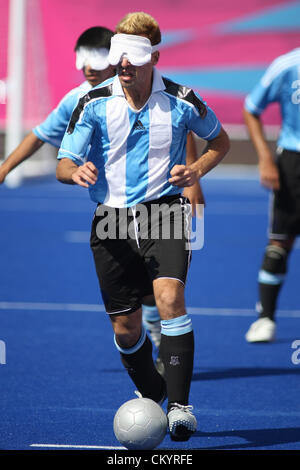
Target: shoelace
187 408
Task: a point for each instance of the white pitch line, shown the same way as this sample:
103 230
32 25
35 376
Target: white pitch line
67 446
77 236
238 312
51 306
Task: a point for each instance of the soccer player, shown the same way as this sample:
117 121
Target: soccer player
92 49
280 174
136 125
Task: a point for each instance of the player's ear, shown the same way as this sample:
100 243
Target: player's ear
155 57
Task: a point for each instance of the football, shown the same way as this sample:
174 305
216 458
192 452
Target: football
140 424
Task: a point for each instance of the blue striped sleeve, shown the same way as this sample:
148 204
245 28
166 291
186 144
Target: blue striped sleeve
207 127
52 130
265 92
76 144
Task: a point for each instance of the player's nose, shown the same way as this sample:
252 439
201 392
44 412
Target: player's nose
124 63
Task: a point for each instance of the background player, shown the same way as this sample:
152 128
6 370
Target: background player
91 49
281 84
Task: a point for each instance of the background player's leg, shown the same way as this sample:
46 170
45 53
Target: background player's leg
151 322
270 280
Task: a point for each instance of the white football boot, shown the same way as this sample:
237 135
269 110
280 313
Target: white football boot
182 423
262 330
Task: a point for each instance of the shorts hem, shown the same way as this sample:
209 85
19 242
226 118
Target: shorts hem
278 236
170 277
124 311
281 236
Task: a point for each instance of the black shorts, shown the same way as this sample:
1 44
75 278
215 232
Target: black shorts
134 246
285 203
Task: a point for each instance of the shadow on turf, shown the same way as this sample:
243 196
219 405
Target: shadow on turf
261 438
217 374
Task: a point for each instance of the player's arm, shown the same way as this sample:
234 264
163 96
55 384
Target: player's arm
269 174
193 193
29 145
215 151
52 126
72 167
68 172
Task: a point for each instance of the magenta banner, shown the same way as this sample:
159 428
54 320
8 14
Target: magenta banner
220 49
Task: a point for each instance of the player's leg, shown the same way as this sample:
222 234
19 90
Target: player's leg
271 277
124 281
167 258
284 224
177 353
151 319
177 339
135 350
151 322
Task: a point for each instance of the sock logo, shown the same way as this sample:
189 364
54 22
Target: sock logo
174 361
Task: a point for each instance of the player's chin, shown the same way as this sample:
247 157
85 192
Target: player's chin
94 81
127 80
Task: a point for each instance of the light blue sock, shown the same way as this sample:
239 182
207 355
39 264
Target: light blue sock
150 314
176 326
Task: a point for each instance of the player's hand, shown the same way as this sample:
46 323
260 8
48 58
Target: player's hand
182 176
196 197
269 175
85 175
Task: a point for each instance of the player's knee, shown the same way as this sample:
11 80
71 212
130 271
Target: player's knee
275 259
274 265
126 338
148 301
130 342
127 329
169 302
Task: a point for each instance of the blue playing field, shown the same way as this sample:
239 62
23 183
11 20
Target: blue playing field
61 376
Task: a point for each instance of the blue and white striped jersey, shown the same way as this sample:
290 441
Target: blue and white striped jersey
134 151
54 127
281 84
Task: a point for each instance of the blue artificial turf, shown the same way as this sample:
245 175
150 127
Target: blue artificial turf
63 380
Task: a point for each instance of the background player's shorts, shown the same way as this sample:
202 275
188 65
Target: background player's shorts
134 246
285 203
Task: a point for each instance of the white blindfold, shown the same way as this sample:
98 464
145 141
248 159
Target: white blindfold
97 59
137 49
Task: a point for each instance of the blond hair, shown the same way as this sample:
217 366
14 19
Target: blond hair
141 24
